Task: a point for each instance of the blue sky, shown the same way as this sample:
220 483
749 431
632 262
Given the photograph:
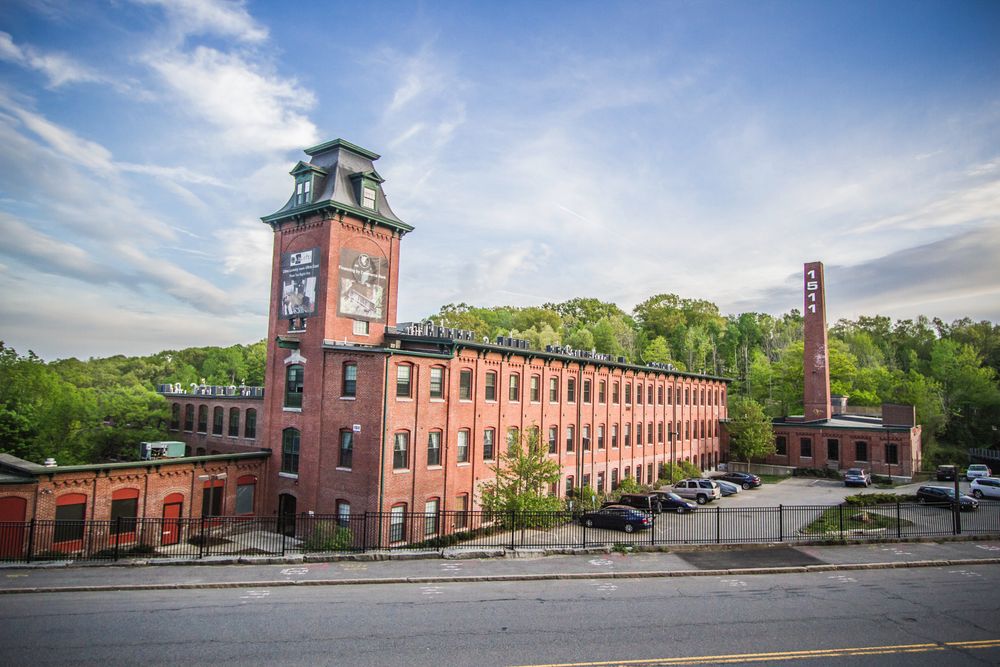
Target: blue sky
542 150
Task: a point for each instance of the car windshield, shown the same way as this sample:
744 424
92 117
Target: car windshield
673 496
854 471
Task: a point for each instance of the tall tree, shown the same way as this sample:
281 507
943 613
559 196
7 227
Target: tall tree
750 433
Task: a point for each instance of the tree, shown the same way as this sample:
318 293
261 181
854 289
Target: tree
523 475
750 432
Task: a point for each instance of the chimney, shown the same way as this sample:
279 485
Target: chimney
815 363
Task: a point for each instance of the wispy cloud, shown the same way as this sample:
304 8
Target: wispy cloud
58 68
214 17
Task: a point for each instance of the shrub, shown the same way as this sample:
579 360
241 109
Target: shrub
683 470
865 499
328 536
816 472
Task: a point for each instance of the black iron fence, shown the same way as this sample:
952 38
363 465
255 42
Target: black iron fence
374 531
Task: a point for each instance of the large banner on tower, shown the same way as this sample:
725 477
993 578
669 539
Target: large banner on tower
299 274
363 280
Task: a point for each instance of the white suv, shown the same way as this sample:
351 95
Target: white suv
977 470
985 487
699 490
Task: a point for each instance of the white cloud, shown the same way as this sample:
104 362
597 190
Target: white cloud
215 17
245 109
59 68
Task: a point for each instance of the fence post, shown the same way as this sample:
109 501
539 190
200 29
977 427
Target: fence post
31 538
584 524
652 532
513 530
718 525
899 522
204 539
364 532
781 523
840 522
118 536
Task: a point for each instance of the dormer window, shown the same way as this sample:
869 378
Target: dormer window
368 197
303 192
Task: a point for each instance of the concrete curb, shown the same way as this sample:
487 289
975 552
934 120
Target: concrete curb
653 574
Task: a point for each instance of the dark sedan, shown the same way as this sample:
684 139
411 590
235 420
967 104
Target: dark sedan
618 517
744 479
671 502
945 496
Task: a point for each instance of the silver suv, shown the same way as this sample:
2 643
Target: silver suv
985 487
699 490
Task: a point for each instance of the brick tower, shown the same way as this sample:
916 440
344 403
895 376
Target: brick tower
815 363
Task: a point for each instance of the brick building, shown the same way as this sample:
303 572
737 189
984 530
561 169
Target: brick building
365 414
827 435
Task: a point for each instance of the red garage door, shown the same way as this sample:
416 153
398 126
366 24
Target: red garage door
12 512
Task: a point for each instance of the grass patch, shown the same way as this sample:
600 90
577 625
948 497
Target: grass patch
855 518
773 479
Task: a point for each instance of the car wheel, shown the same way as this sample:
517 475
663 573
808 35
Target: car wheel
921 499
746 486
977 493
629 528
589 523
701 500
867 484
680 510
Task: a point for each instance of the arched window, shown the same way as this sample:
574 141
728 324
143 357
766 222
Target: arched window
290 451
71 511
343 513
188 417
346 459
404 380
401 451
175 416
514 387
250 425
294 383
217 417
491 386
437 382
202 419
350 384
434 449
234 422
124 511
397 523
246 488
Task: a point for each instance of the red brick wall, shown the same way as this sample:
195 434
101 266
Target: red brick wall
907 445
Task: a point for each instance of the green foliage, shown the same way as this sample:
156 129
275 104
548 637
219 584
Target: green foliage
682 470
750 432
327 536
864 499
524 474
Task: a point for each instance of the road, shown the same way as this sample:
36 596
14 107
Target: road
931 616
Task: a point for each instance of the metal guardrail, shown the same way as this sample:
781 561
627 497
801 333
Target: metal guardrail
372 531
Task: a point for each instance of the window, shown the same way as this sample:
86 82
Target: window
649 394
290 451
124 510
513 437
397 523
614 436
514 387
234 422
491 386
463 446
585 438
553 439
302 191
832 449
202 419
649 473
586 481
217 418
600 482
437 382
614 478
586 391
535 391
553 390
628 393
350 386
806 448
401 451
343 513
431 516
488 438
294 381
213 497
659 431
461 509
404 374
188 417
638 394
570 440
670 395
602 393
649 433
175 416
638 474
860 450
71 510
891 453
361 328
627 472
465 385
250 425
571 390
600 436
687 396
246 487
614 393
570 480
368 198
781 445
659 395
638 434
628 435
346 459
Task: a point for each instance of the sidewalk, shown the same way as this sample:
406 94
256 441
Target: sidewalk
494 566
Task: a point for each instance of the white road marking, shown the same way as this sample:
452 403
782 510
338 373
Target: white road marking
451 567
604 586
733 582
988 547
430 590
965 573
843 579
896 551
601 562
289 571
254 595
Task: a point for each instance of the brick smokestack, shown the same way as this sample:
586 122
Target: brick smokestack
815 366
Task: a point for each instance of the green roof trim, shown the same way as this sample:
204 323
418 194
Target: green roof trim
340 143
362 213
303 167
370 175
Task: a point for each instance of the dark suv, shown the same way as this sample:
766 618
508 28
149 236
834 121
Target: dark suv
946 473
647 502
944 496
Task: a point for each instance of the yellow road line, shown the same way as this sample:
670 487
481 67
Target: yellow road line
788 655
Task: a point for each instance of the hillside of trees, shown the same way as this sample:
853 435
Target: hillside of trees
100 409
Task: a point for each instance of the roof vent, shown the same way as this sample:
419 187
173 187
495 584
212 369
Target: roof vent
50 462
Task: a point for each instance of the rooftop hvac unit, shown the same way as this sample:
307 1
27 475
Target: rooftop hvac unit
169 449
621 360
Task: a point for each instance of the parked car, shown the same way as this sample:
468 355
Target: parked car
619 517
977 470
744 479
857 477
985 487
647 502
945 497
671 501
699 490
946 473
728 488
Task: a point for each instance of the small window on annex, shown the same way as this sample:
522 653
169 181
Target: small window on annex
781 445
437 382
404 373
806 448
892 453
294 383
246 487
71 510
860 450
346 454
832 449
124 510
350 383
